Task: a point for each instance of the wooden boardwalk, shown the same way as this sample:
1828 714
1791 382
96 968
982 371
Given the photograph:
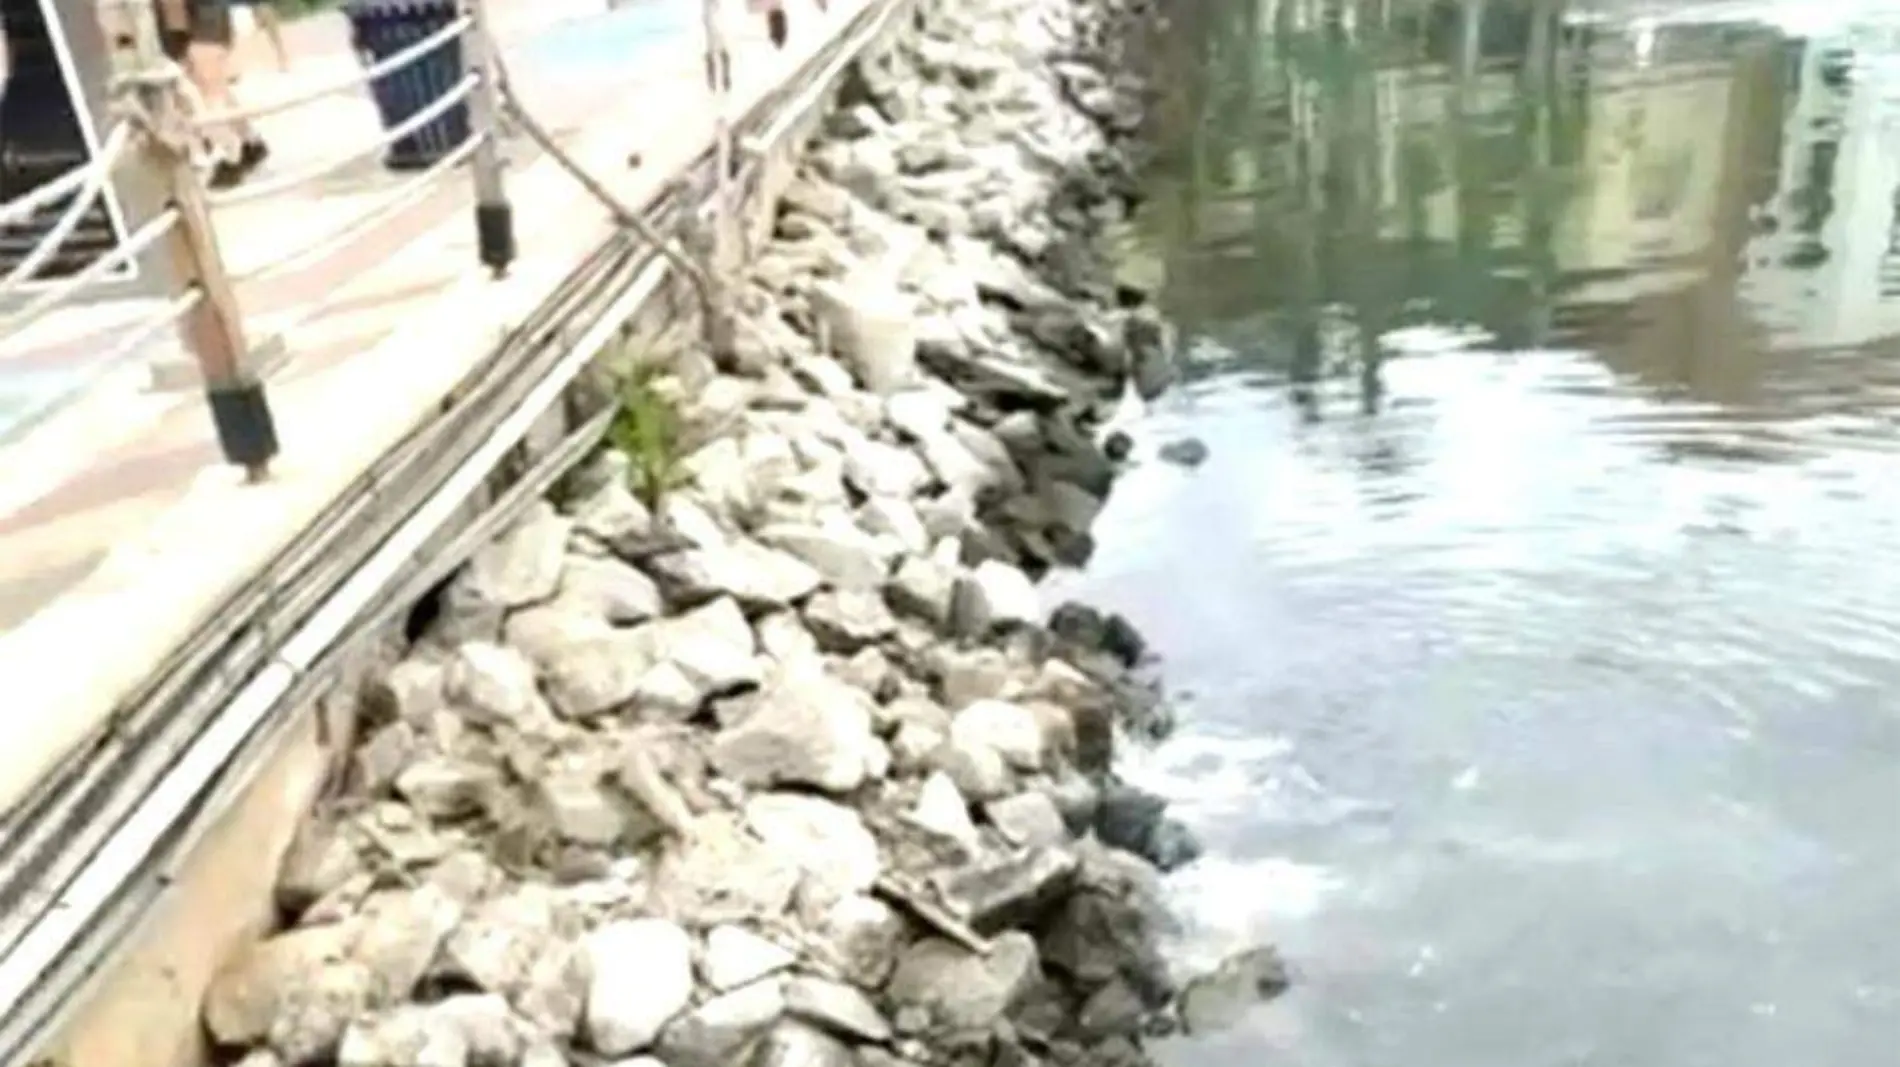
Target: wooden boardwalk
120 529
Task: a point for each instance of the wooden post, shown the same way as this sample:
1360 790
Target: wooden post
720 329
213 329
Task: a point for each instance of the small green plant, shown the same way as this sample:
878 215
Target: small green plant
647 431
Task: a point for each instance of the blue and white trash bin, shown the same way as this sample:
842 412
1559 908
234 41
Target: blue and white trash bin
383 28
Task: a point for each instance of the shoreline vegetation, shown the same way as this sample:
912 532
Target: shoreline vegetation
754 746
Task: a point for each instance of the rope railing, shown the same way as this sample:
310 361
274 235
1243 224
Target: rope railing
348 81
437 108
381 211
96 174
66 288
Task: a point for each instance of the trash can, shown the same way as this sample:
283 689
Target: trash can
382 28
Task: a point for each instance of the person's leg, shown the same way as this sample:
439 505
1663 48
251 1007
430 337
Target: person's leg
208 63
273 26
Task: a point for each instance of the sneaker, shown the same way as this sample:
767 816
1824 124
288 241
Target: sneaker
227 174
252 154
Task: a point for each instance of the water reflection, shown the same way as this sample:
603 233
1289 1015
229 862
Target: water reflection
1538 596
1709 208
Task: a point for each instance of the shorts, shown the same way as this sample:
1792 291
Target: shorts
207 22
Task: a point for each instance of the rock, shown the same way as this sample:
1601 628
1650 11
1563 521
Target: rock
942 810
828 841
494 684
401 931
409 1036
694 657
1010 730
923 589
783 636
1136 821
895 518
1028 819
809 729
837 1008
411 691
1011 890
736 956
1220 999
864 935
497 945
524 565
444 788
610 589
845 621
713 1034
870 324
722 872
791 1044
978 770
1185 452
553 991
263 980
1095 631
963 991
759 578
641 977
489 1028
320 859
839 551
579 811
992 596
1115 1010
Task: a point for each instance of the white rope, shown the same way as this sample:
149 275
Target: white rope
345 83
435 110
133 246
97 173
405 196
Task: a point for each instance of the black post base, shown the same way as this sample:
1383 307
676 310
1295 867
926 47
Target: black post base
247 434
495 235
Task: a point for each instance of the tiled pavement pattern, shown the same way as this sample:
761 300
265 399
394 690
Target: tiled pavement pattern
114 460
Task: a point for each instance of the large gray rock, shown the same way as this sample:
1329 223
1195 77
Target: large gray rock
408 1036
871 326
494 684
714 1034
672 665
808 729
609 589
793 1044
523 565
736 956
844 621
641 977
1011 730
864 935
836 1007
758 577
828 841
992 596
963 991
846 556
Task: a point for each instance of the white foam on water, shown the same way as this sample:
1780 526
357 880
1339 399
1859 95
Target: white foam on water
1225 904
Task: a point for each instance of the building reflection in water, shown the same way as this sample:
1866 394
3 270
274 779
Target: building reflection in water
1710 209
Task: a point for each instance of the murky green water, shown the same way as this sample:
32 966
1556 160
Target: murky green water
1539 605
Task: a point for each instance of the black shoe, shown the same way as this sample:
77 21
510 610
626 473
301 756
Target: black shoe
252 154
227 174
777 27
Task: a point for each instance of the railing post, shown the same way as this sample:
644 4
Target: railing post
494 216
213 329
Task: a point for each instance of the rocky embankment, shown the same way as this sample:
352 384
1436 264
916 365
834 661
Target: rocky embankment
793 769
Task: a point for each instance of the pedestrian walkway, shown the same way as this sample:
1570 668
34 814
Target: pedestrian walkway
121 530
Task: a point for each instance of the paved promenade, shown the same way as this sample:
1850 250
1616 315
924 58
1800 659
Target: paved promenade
120 529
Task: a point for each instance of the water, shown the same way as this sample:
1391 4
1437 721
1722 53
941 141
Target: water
1537 614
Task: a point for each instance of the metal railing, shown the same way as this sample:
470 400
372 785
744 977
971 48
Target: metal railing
161 133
